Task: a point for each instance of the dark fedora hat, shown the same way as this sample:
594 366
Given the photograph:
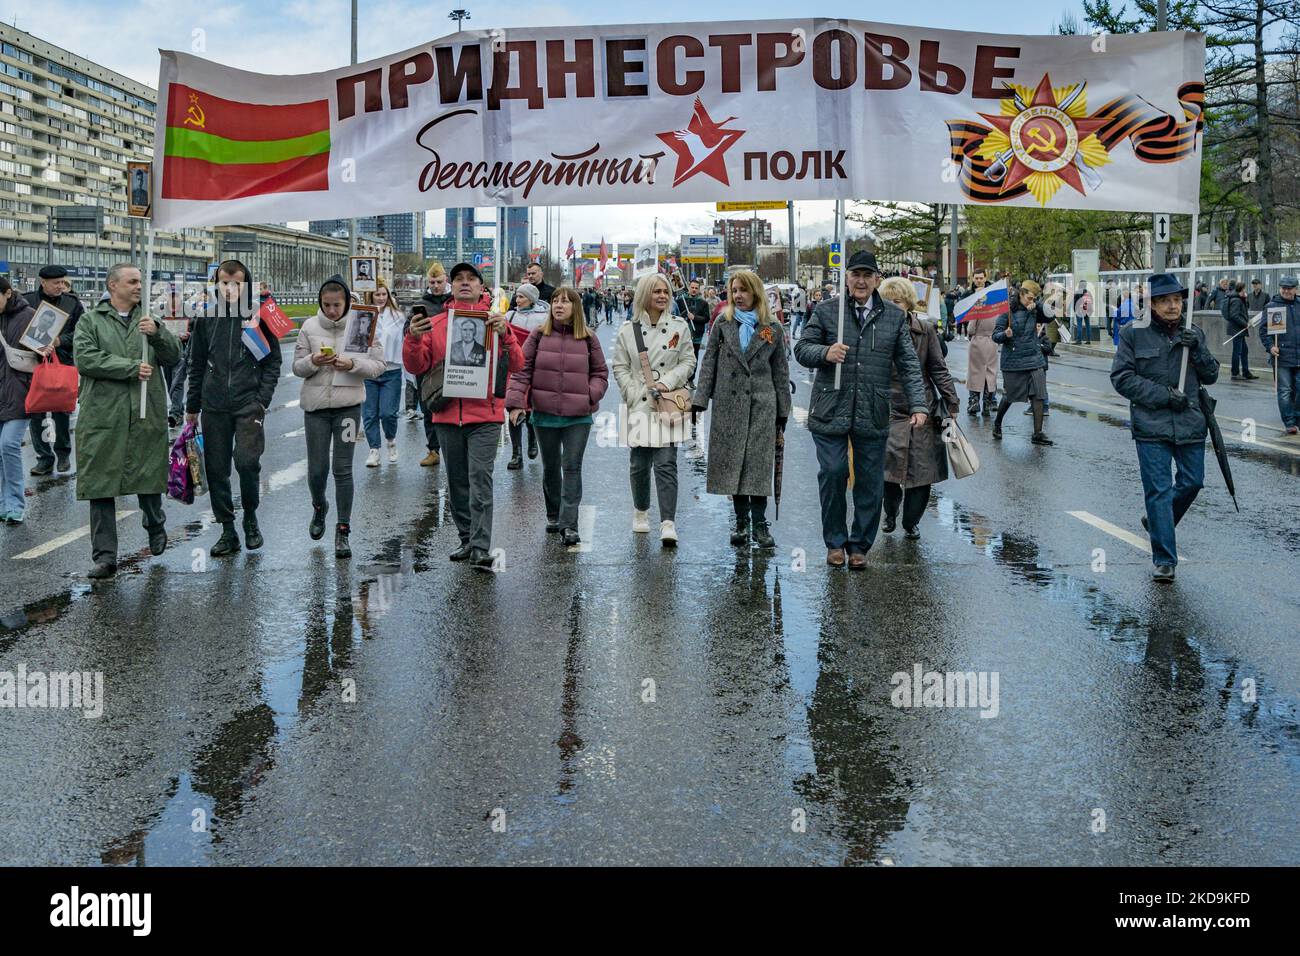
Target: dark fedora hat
863 260
1162 283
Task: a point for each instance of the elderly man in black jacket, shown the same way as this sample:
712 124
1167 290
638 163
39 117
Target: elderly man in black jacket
876 342
233 389
54 290
1167 422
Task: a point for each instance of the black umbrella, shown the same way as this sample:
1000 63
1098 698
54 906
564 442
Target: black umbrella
778 466
1216 438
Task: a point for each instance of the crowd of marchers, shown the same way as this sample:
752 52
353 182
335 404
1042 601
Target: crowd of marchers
883 407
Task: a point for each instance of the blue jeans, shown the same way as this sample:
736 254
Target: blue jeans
1288 382
383 398
1083 329
11 467
1241 354
868 489
1168 500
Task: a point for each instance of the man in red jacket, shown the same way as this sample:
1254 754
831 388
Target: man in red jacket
469 429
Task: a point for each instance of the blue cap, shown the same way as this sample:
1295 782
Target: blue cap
1288 282
1162 283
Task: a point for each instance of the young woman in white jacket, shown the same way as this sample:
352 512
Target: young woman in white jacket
384 394
652 437
332 392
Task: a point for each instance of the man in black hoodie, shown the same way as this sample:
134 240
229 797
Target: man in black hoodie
233 390
54 290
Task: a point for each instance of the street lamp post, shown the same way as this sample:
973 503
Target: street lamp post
458 16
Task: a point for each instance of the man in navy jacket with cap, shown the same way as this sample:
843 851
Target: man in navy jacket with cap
1167 422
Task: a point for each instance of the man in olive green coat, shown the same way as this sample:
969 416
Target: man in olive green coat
118 452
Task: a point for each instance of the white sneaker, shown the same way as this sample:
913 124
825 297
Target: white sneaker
668 534
392 452
372 459
641 522
413 415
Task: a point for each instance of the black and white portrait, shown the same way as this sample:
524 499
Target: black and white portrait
467 338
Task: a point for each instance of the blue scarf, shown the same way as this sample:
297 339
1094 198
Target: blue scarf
746 322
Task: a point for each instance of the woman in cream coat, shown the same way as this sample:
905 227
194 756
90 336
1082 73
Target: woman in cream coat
651 436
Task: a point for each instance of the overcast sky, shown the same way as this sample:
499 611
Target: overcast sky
307 36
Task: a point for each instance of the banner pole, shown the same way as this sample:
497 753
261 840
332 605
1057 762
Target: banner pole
839 231
1191 296
496 261
144 311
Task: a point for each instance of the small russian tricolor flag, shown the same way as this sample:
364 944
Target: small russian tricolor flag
255 342
986 303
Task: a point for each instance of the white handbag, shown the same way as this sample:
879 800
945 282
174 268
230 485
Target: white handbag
20 360
962 460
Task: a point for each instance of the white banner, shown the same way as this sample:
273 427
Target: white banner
662 113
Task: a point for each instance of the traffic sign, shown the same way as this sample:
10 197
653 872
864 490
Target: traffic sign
743 206
477 259
836 257
1160 226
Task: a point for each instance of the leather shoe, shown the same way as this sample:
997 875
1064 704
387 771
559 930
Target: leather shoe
1040 438
228 543
1164 573
342 549
64 463
480 560
317 527
911 533
102 570
835 557
857 561
252 533
515 463
42 468
157 541
462 553
889 524
569 538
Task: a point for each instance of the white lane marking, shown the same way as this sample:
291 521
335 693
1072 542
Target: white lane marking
586 528
287 476
1102 524
295 433
293 404
800 414
55 543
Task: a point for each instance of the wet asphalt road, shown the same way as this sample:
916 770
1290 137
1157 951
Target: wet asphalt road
506 718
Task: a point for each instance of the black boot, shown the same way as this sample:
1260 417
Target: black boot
532 441
252 533
228 543
342 549
990 403
889 523
317 527
516 462
762 536
740 536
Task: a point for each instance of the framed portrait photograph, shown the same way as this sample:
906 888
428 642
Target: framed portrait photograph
139 189
470 348
1275 317
360 333
44 327
365 272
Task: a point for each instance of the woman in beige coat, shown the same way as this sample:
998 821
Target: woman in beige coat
982 361
651 436
333 389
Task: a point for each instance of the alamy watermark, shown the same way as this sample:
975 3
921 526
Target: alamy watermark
951 689
55 690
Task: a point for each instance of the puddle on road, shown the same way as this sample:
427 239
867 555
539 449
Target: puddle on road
1162 639
43 611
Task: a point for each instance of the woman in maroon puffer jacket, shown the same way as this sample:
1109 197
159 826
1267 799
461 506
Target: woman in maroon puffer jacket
563 380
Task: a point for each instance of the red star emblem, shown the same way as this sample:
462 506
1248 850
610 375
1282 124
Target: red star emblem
699 147
1043 96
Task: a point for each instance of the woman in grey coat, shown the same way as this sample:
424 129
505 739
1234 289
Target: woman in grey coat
915 457
745 373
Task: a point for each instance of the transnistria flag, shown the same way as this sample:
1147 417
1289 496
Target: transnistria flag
986 303
219 149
